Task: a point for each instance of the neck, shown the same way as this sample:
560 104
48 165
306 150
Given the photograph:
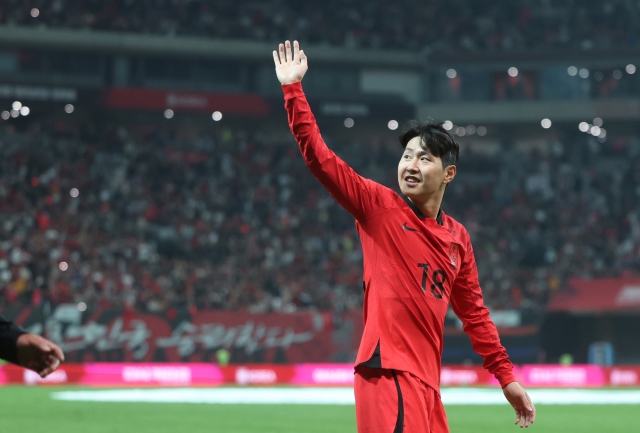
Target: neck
429 206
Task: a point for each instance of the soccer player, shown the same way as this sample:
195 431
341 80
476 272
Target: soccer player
417 260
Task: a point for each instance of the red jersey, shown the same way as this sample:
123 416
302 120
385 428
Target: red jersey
413 266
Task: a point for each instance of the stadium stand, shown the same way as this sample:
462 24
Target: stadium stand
463 26
183 217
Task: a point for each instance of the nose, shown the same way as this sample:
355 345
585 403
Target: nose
413 166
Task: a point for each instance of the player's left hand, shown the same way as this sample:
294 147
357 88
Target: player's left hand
521 402
38 354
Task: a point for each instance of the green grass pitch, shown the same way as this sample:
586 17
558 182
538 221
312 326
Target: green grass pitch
30 409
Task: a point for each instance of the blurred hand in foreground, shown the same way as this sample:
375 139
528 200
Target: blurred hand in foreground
290 67
38 354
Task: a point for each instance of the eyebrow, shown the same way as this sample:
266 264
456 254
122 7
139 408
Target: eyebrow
421 150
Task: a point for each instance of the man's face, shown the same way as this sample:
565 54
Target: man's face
420 174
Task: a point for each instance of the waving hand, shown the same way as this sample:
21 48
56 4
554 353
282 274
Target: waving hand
290 68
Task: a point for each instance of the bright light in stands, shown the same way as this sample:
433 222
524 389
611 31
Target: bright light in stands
631 69
617 74
68 108
5 115
451 73
595 131
572 70
513 71
603 133
63 266
546 123
482 131
584 73
217 116
15 113
168 113
448 125
471 129
82 306
35 12
598 121
598 75
25 111
74 192
348 122
461 131
392 125
16 105
584 126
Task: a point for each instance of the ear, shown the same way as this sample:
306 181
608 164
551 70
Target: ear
449 174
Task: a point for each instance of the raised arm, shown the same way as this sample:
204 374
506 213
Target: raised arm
359 196
468 304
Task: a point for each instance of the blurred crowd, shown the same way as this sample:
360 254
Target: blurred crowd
465 25
169 219
541 214
155 219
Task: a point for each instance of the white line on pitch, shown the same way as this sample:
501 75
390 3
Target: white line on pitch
333 396
338 396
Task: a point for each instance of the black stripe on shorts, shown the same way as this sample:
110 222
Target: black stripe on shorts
400 421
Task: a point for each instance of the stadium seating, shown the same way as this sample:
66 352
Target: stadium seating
151 218
463 26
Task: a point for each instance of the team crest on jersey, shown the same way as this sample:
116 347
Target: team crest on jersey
454 255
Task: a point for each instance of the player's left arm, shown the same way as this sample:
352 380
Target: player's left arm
468 304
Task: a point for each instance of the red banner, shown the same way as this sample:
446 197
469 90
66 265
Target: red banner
599 295
65 374
207 336
185 101
622 375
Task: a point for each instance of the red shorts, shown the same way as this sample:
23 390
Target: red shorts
391 401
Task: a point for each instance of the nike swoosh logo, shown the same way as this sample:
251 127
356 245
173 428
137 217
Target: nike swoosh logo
409 228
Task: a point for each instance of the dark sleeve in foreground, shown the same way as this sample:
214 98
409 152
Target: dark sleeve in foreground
9 333
362 198
468 304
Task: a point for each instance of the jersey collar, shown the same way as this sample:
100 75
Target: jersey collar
419 213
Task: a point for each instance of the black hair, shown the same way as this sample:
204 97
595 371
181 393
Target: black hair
433 138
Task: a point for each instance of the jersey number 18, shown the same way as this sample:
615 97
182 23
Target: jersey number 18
438 277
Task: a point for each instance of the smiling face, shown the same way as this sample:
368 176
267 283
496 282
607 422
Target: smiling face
421 174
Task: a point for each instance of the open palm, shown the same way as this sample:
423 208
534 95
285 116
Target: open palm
290 67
